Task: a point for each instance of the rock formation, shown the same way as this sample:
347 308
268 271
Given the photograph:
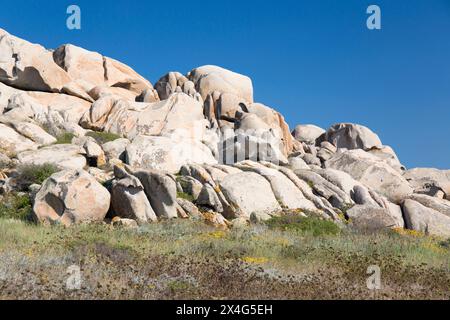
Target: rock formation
193 145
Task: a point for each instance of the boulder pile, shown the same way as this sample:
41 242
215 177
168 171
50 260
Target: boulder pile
191 146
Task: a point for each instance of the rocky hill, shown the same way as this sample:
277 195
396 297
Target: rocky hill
110 146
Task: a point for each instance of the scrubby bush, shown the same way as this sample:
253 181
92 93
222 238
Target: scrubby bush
64 138
186 196
15 206
297 223
103 137
35 174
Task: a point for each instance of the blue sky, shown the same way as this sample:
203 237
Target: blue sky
314 60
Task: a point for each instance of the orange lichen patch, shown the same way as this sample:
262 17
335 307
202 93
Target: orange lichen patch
215 219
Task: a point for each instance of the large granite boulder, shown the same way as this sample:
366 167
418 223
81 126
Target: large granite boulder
161 190
128 199
29 66
419 217
163 153
372 172
307 133
208 79
64 156
11 142
429 181
261 199
71 196
351 136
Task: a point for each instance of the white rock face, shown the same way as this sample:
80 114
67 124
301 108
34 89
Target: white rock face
128 200
440 205
90 69
178 114
35 133
426 220
352 136
12 142
251 146
387 154
372 172
162 153
29 66
208 79
371 218
276 123
175 82
116 149
64 156
161 190
261 199
297 163
429 180
71 196
307 133
285 191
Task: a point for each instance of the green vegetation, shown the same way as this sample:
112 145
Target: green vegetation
30 174
103 137
15 206
185 259
299 224
186 196
64 138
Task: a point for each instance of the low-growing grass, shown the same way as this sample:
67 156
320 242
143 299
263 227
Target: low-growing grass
103 137
191 260
297 223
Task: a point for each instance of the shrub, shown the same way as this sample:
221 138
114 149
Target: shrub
296 223
65 138
103 137
186 196
15 206
32 173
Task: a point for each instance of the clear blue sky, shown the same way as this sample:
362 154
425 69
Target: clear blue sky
314 60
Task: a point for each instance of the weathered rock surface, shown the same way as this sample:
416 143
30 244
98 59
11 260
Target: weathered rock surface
34 133
64 156
426 220
116 149
128 199
233 157
161 190
178 114
90 69
371 218
285 191
29 66
351 136
429 181
372 172
71 196
236 188
163 153
440 205
208 197
307 133
12 142
208 79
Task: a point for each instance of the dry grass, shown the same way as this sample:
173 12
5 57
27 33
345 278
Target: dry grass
189 260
